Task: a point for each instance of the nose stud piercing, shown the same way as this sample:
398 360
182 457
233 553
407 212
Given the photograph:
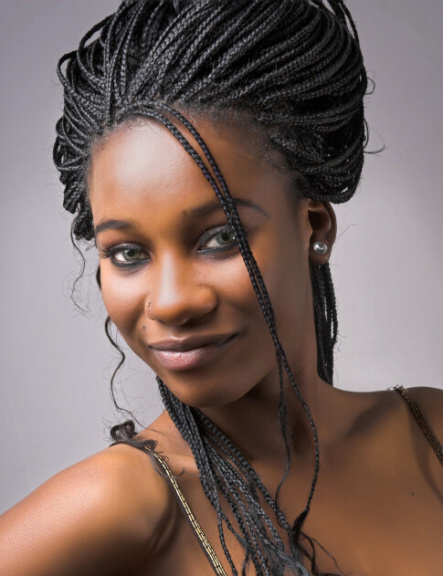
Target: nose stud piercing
149 304
320 248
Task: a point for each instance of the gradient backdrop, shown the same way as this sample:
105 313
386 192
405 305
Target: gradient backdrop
55 407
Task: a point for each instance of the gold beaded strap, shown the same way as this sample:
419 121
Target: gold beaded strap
422 422
201 536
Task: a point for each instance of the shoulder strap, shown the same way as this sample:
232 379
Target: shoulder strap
422 422
183 503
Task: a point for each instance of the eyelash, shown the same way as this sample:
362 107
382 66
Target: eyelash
213 233
208 235
113 250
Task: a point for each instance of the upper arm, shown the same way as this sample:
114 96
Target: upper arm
101 516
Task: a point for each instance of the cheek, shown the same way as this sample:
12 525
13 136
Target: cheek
284 264
234 283
238 303
123 297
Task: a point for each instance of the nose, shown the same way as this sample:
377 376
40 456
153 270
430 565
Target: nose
177 294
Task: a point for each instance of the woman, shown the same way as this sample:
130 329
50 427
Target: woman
200 147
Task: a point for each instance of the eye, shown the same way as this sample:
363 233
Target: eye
126 256
218 239
129 255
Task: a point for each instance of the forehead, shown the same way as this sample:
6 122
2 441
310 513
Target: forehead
143 163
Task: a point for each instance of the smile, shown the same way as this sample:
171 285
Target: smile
189 354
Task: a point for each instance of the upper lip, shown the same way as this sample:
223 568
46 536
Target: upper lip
183 344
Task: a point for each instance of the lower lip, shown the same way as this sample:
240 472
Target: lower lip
191 358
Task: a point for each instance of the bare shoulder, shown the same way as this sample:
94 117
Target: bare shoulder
104 515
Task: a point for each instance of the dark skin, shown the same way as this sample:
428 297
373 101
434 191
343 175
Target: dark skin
378 505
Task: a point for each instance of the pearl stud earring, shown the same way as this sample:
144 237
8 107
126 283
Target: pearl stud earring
320 248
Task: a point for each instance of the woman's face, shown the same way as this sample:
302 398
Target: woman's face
173 280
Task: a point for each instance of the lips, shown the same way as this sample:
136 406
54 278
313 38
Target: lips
192 352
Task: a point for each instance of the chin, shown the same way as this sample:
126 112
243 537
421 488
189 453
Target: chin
202 394
201 399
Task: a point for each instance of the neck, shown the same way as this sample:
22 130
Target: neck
253 424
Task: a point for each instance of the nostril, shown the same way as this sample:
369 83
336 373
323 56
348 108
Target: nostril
178 308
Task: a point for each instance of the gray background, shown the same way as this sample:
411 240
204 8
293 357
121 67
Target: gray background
55 362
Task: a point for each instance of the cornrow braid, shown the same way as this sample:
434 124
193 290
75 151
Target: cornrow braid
294 70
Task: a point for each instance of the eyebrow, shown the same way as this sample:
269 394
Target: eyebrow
199 211
112 225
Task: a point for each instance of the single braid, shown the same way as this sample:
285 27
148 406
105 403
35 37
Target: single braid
294 70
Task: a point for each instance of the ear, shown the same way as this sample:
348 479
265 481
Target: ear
323 229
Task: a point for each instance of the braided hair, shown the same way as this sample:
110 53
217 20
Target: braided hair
294 70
